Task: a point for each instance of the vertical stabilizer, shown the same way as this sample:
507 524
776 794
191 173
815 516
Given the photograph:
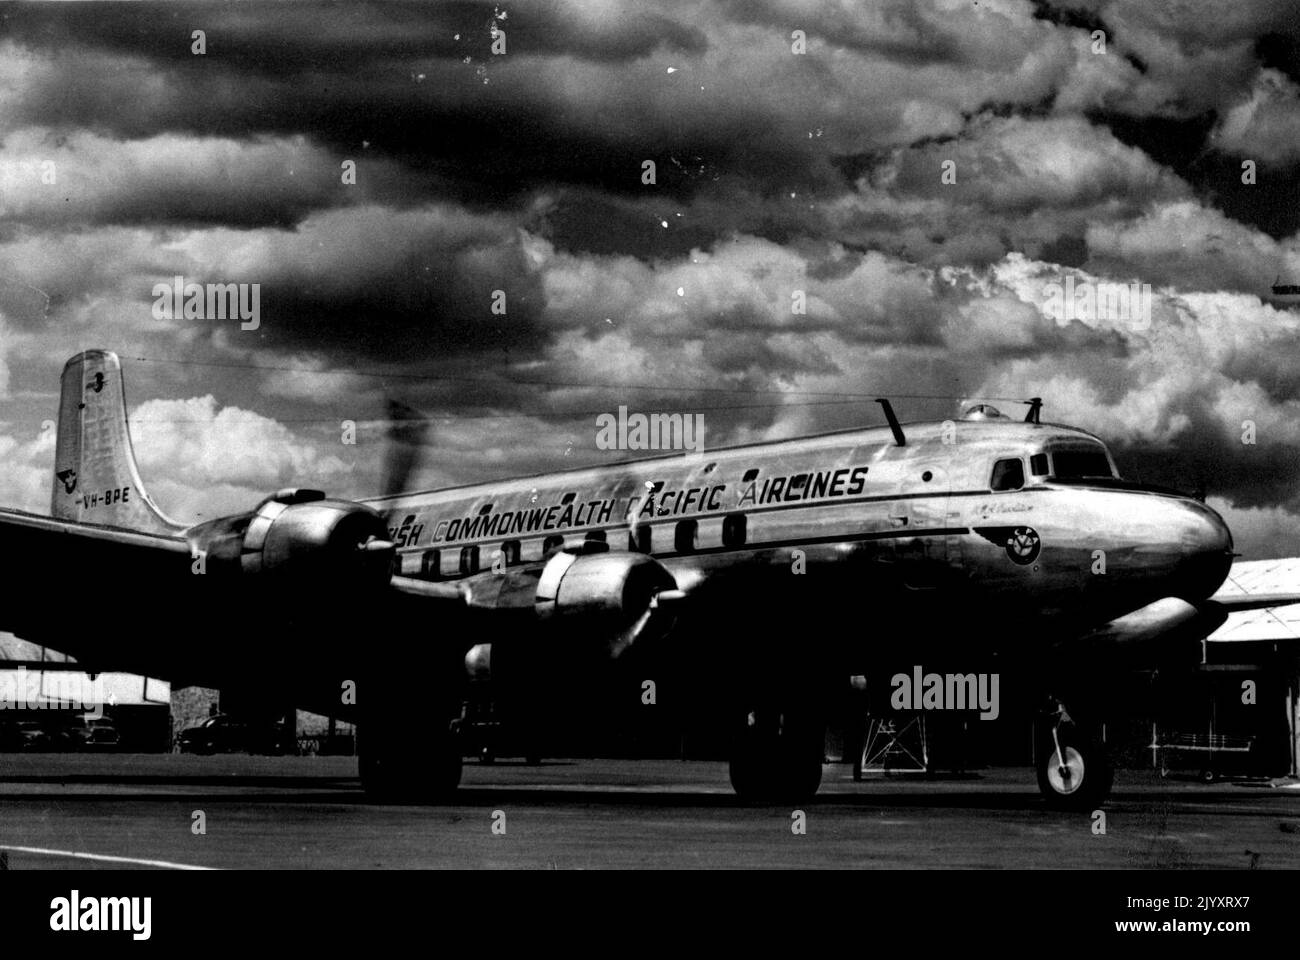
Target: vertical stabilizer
95 476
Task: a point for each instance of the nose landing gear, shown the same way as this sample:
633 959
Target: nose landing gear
1074 770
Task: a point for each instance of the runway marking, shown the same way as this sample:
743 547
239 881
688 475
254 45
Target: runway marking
164 864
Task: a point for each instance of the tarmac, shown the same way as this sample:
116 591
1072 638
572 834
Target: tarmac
172 811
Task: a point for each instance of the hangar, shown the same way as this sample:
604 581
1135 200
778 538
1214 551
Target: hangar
1244 711
1229 710
54 695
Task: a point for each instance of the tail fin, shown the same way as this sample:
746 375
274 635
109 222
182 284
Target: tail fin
95 476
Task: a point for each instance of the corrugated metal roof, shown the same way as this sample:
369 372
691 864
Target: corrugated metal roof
1261 576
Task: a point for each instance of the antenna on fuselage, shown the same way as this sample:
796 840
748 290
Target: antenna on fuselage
893 422
1035 409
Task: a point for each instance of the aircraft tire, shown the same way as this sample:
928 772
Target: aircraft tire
777 757
1086 781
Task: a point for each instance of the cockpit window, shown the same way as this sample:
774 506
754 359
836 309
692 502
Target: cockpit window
1008 475
1080 464
1038 465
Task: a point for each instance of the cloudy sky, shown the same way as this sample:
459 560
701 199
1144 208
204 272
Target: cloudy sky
776 172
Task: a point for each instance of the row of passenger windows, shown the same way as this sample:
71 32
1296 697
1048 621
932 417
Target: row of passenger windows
686 534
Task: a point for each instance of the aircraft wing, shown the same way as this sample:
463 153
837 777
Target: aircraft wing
122 599
118 599
61 576
30 531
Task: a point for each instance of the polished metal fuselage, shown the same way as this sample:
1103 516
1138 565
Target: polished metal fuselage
916 526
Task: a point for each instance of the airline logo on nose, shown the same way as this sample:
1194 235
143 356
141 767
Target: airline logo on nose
1023 546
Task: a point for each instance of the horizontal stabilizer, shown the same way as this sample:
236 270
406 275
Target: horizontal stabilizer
1254 601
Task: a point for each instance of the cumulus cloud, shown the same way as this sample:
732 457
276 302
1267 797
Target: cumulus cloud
56 179
196 452
1184 243
26 471
1266 125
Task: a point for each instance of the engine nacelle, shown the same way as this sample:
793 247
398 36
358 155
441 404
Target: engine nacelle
299 535
611 595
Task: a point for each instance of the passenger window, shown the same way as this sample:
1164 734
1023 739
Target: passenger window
431 564
733 530
469 560
510 552
595 536
1008 475
1038 465
686 535
553 542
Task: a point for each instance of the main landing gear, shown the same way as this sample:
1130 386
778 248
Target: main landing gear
777 754
404 757
1074 770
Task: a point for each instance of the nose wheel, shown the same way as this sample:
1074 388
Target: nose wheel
1074 770
1065 774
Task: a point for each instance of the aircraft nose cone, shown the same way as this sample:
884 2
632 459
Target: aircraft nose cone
1207 544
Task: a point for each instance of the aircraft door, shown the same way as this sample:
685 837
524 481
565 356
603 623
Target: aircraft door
923 510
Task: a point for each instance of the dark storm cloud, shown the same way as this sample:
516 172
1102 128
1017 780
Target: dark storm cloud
372 282
291 38
415 82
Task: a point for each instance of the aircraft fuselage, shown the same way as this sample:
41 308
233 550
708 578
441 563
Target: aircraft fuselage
1005 518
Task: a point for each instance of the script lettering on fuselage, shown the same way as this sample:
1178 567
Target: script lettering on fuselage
652 505
991 507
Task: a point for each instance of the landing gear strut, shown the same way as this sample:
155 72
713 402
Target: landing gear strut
777 755
1074 771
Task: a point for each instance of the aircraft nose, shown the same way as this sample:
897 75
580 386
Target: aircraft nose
1207 557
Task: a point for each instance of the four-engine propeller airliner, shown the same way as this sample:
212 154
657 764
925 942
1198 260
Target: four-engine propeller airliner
756 578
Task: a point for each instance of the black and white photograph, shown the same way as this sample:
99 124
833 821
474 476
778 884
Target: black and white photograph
569 435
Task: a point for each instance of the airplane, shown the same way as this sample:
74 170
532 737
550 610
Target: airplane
754 580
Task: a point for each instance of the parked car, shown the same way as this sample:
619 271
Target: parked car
227 734
37 738
98 735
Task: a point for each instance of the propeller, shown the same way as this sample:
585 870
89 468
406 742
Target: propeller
405 441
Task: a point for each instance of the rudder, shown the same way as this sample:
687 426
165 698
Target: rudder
95 475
